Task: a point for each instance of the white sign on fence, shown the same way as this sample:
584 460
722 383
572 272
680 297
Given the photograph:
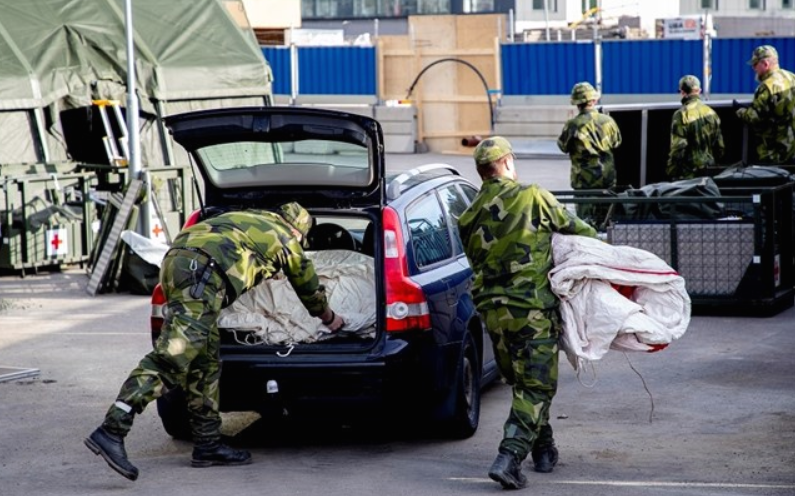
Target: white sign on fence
686 27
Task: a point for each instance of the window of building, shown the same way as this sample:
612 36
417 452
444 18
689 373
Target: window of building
402 8
709 4
352 9
368 9
588 5
756 4
433 6
786 4
474 6
551 5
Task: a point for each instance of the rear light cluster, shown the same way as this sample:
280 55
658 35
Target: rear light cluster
158 306
406 306
158 297
193 218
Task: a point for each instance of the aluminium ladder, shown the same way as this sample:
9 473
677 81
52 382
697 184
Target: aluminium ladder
112 144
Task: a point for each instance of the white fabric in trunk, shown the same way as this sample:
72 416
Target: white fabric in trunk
275 315
596 317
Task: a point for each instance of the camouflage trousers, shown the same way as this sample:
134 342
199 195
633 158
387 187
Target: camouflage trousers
526 349
186 354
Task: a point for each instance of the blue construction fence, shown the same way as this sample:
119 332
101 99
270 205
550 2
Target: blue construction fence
545 68
333 70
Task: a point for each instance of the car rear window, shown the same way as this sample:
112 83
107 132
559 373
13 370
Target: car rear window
311 162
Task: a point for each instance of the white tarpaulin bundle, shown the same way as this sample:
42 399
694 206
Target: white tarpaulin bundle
615 297
271 313
150 250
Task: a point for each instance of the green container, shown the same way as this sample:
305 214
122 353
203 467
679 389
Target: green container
45 220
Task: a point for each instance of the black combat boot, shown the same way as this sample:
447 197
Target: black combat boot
507 470
207 455
545 458
111 447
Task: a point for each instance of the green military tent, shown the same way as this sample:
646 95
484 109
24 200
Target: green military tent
59 56
56 56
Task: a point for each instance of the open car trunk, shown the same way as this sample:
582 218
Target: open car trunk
272 314
331 163
340 245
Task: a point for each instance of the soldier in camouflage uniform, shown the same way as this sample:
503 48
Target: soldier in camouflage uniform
696 139
507 234
772 113
589 139
208 266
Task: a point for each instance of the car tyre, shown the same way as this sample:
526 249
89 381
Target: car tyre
465 394
173 410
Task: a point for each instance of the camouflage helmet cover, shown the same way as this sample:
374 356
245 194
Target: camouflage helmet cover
763 52
492 149
296 216
689 83
583 93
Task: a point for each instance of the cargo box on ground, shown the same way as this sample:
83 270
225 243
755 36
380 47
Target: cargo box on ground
737 258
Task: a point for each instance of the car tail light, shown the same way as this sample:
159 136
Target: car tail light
158 306
406 306
193 218
158 297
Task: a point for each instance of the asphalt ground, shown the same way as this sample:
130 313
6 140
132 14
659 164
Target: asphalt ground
712 414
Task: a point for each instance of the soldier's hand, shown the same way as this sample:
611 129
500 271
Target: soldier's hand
336 324
333 322
741 112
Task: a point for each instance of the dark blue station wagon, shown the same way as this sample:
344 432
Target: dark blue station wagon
388 251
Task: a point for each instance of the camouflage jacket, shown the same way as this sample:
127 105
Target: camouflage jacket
507 236
589 139
251 246
696 139
772 117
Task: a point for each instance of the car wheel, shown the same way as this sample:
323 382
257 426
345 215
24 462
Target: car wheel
465 395
173 410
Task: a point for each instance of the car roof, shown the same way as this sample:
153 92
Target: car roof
399 182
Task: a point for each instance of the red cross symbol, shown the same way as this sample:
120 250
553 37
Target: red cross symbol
55 242
157 230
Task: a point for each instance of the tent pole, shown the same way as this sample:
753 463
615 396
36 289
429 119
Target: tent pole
132 97
38 118
132 122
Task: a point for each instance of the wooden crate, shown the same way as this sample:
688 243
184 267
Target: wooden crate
451 99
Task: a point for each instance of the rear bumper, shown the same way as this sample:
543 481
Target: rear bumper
352 384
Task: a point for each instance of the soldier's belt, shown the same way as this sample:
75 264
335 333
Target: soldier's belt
210 266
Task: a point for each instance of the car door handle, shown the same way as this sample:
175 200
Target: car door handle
452 297
451 293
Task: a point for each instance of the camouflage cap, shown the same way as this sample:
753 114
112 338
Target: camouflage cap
583 92
491 149
689 83
296 216
763 52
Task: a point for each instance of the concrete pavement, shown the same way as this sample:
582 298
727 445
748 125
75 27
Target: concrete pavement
714 414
